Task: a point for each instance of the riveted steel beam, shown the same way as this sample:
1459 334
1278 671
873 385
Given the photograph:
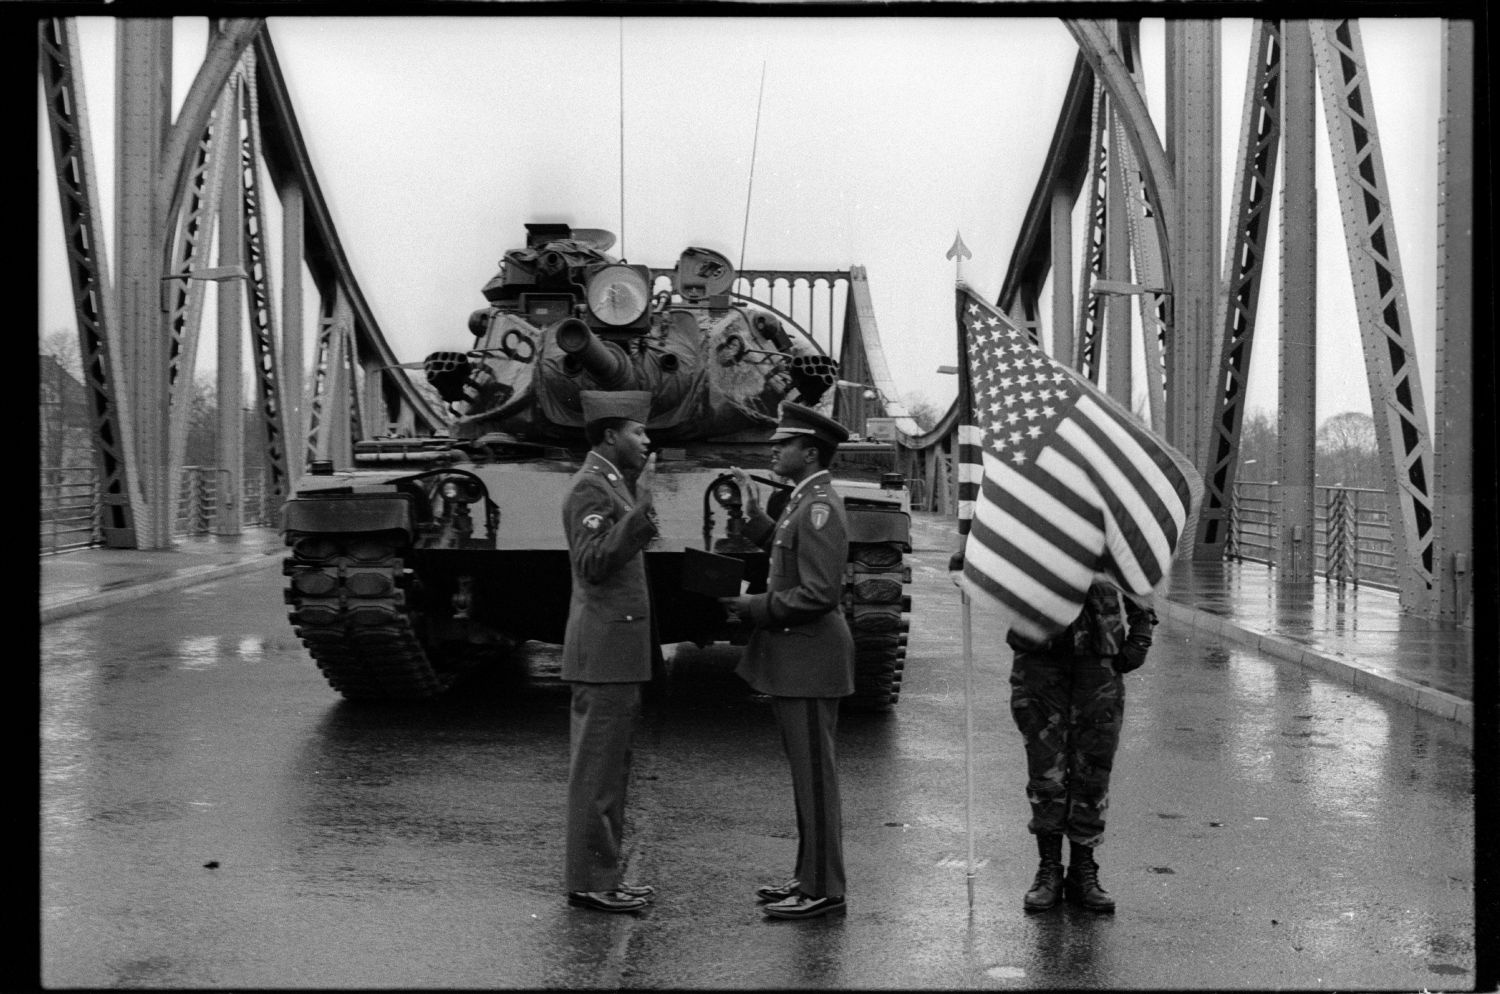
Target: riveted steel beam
143 89
1255 174
226 43
1192 99
1146 251
329 394
188 272
1380 297
229 438
1113 73
88 272
263 314
1117 322
1453 470
1297 422
1091 262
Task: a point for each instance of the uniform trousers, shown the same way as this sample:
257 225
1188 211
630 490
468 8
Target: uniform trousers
1069 708
807 733
603 719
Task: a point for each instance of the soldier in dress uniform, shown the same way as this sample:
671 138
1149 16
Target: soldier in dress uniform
800 652
607 648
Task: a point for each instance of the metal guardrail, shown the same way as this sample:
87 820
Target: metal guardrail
70 502
69 509
1352 539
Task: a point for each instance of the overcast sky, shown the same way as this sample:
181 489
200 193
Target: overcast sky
435 139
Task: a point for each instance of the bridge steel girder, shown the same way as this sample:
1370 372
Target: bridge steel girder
194 221
105 385
229 437
263 337
1157 170
1297 421
1453 470
143 89
1117 321
1255 180
1192 112
1380 296
862 360
1091 264
1146 251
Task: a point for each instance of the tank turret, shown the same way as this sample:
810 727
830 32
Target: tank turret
565 316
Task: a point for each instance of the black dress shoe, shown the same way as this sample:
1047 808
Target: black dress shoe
637 890
801 906
605 900
779 893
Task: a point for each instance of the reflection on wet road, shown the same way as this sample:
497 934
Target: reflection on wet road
214 816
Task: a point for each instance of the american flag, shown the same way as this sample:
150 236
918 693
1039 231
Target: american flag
1057 483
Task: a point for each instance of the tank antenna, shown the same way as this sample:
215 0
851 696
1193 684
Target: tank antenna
622 138
754 143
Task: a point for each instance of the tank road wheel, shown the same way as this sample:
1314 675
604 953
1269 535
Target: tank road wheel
350 604
877 604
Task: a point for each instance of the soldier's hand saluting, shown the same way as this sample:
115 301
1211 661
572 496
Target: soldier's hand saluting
752 495
644 481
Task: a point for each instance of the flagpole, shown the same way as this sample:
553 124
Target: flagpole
958 252
969 738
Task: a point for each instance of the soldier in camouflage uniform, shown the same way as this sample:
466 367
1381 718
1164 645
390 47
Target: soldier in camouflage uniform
1068 699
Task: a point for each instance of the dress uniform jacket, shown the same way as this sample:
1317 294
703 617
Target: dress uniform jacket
801 646
608 637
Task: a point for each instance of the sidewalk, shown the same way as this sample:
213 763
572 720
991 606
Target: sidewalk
85 580
1357 635
1354 634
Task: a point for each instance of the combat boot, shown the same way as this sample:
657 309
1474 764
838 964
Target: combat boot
1047 888
1082 883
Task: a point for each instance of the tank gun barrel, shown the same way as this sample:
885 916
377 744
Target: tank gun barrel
604 361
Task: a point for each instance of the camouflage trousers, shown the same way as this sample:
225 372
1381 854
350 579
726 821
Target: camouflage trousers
1069 709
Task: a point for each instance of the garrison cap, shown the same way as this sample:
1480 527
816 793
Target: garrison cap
634 405
798 421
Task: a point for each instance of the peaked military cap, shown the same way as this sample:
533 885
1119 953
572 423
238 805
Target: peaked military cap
798 422
634 405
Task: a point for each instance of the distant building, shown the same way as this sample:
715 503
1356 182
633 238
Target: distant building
65 441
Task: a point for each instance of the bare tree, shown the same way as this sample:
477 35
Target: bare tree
62 345
1260 449
1347 453
923 411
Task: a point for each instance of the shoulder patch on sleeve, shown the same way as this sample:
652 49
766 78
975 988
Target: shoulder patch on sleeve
593 521
819 513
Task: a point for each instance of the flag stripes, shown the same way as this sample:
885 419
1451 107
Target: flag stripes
1058 484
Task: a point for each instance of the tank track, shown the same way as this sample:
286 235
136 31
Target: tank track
877 605
349 599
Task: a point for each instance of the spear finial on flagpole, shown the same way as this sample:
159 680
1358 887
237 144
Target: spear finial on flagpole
959 251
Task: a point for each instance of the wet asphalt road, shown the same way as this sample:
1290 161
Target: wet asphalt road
214 817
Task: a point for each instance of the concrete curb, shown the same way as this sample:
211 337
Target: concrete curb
176 580
1436 702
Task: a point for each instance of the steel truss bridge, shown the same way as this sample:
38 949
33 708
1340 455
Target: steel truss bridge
1156 270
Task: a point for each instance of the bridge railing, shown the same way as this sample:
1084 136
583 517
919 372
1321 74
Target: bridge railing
70 499
1352 537
69 509
202 487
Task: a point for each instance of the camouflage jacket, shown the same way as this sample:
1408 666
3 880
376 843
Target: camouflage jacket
1109 617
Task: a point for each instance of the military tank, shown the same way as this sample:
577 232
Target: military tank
433 557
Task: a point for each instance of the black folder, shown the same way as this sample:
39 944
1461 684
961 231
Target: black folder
711 574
